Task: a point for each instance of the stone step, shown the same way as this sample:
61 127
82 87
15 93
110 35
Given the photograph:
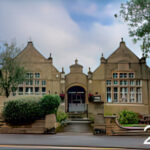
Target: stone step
79 121
76 115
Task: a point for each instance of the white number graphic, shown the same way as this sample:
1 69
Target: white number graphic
147 141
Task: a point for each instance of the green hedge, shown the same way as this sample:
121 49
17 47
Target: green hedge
26 110
128 117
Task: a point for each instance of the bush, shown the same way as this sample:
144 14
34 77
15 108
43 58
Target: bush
61 116
21 112
128 117
49 104
28 109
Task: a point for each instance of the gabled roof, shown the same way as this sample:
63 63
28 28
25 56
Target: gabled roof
30 54
123 55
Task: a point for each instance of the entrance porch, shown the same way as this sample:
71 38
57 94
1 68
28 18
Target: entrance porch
76 100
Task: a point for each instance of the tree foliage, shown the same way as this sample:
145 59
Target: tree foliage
11 73
137 15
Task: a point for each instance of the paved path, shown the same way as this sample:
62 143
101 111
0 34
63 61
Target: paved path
76 127
74 140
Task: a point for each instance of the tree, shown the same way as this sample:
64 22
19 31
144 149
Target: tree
11 73
137 15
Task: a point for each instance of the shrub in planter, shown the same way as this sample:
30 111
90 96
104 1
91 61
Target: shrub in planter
61 116
49 104
128 117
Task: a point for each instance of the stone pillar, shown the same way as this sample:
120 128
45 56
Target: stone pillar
50 123
110 124
99 121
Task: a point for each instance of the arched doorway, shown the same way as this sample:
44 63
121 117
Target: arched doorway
76 99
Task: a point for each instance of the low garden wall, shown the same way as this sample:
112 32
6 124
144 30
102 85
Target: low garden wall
47 125
30 114
114 128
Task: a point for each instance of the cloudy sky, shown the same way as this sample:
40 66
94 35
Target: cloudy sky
69 29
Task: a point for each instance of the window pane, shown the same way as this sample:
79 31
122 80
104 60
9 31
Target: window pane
115 94
29 75
20 91
139 95
132 82
29 90
138 82
132 95
115 82
37 90
108 89
43 89
115 75
37 75
109 94
124 94
37 82
123 75
43 82
123 82
131 75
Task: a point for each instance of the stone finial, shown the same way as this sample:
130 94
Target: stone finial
62 70
122 43
89 72
50 57
89 69
102 59
76 61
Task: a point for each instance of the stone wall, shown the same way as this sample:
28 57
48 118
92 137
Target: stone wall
2 100
110 109
47 125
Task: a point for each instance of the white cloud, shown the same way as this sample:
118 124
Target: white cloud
52 30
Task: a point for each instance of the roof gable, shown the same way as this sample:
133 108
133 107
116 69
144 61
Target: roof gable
30 54
123 55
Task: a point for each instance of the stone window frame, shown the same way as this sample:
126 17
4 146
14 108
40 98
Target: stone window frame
136 83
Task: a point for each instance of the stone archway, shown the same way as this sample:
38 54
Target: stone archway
76 99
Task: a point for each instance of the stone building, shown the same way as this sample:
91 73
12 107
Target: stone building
122 81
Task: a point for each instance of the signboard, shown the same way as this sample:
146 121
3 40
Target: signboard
97 99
